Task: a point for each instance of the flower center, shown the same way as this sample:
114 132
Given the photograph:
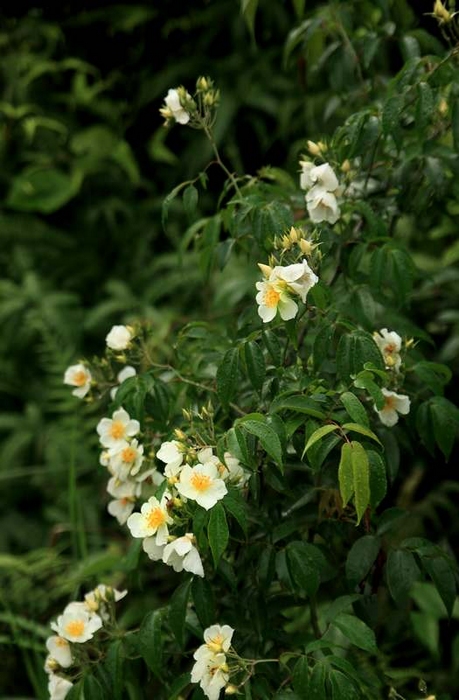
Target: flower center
156 517
389 403
117 429
201 482
215 644
75 628
79 378
128 454
271 298
60 642
390 348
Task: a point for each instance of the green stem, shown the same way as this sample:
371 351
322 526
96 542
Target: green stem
229 174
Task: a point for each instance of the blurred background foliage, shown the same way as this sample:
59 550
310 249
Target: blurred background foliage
86 165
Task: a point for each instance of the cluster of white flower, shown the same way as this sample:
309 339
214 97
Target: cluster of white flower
279 286
123 457
211 670
390 344
80 377
76 625
191 475
322 188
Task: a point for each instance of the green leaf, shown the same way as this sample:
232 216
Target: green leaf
305 562
392 272
203 599
273 346
228 376
424 105
236 442
322 344
343 688
255 362
444 579
455 123
190 201
345 474
217 532
318 435
433 375
445 418
92 689
150 641
113 665
361 558
249 10
339 605
177 611
43 190
364 380
378 478
356 428
178 685
355 408
317 687
354 350
237 507
357 632
402 572
300 678
299 404
268 438
167 202
361 476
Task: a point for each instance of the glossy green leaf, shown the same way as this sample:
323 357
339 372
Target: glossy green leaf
150 641
342 687
361 477
255 363
203 598
300 678
443 576
217 532
361 558
378 478
319 434
355 408
346 474
267 436
402 572
317 682
235 504
43 190
357 632
190 201
177 611
357 428
228 376
354 350
305 562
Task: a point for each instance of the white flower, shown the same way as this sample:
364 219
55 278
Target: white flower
153 519
390 344
218 637
233 472
172 101
126 373
154 551
58 687
394 404
299 277
283 282
79 376
320 175
126 459
125 494
119 337
59 649
182 554
273 296
171 453
77 624
322 205
210 671
114 431
202 483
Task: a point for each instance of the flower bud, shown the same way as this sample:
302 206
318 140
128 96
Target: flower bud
314 148
441 13
345 166
306 247
266 269
231 690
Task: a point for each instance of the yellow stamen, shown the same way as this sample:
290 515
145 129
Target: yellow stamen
117 429
271 297
80 378
128 454
75 628
156 517
389 403
201 482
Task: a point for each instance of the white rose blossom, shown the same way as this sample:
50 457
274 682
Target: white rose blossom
80 377
202 483
322 205
126 459
119 337
394 404
172 101
125 494
58 687
77 623
390 344
275 293
59 650
181 554
321 175
211 669
113 432
171 453
152 521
